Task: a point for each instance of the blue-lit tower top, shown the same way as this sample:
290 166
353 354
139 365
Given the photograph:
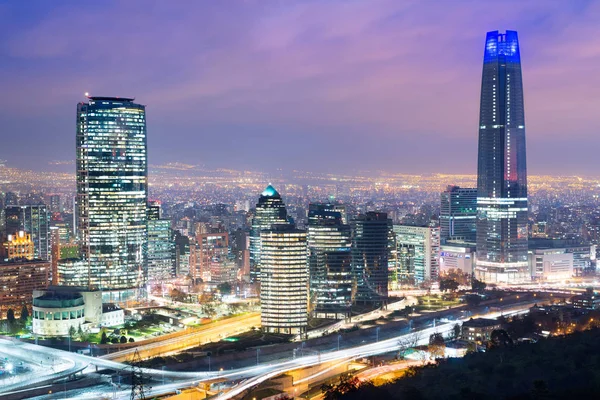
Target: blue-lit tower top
502 44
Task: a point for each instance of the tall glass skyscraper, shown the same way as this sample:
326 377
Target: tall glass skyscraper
501 169
112 191
330 274
270 210
370 256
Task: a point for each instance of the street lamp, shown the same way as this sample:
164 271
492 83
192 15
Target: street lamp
377 334
339 337
257 351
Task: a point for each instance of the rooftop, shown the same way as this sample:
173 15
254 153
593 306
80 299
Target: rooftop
481 323
270 192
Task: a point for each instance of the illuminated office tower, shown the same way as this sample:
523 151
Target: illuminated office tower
370 256
35 220
284 280
330 276
501 168
458 214
418 252
17 246
112 187
160 245
270 210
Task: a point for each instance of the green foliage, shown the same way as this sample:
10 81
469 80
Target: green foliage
448 285
104 338
131 340
478 286
348 385
555 368
72 331
24 314
10 316
224 288
123 339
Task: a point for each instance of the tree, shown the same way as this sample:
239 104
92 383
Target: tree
473 299
72 331
80 332
209 309
10 316
347 385
114 340
456 331
407 342
123 339
437 346
24 313
224 288
500 338
103 338
478 286
448 285
131 340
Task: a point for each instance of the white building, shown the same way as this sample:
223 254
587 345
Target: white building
58 308
418 250
458 257
551 264
284 280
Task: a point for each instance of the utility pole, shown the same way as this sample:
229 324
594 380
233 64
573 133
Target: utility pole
137 378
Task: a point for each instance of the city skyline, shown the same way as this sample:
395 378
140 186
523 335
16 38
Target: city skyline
285 76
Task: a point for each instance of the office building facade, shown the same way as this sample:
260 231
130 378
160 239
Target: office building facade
330 275
270 210
34 220
458 214
501 168
112 187
284 280
418 249
370 256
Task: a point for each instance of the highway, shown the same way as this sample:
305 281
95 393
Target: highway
213 332
251 376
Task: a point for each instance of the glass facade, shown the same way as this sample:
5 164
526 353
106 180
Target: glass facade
284 280
112 186
458 214
501 169
270 210
418 249
370 256
330 274
35 220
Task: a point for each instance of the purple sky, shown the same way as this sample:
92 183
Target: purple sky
315 85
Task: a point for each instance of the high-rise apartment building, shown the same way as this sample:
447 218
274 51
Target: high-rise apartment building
284 280
330 275
270 210
17 247
501 168
458 214
112 191
35 220
370 256
418 249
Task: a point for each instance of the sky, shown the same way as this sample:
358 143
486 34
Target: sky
324 86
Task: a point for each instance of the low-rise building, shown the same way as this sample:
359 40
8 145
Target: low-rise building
58 308
479 329
589 300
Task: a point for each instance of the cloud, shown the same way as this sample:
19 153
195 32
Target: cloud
393 69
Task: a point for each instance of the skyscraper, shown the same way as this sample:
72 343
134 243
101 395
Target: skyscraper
160 245
370 256
270 210
501 168
35 220
284 280
458 214
330 275
112 187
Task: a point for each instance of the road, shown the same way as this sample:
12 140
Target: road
251 376
213 332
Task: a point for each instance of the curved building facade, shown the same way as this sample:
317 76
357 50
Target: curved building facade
501 168
112 191
284 280
54 314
